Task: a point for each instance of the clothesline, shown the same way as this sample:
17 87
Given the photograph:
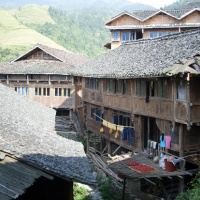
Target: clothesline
112 123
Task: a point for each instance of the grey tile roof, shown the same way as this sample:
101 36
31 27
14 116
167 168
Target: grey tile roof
176 13
143 58
26 131
64 56
36 67
16 177
143 15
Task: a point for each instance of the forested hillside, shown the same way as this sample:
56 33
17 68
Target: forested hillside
180 3
80 31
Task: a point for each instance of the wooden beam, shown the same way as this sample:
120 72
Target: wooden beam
116 149
149 181
105 147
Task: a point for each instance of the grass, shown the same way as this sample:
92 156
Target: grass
15 35
32 14
80 193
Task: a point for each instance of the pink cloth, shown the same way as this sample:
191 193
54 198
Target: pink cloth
168 141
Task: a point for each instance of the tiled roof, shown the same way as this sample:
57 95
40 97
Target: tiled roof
26 131
176 13
143 15
64 56
143 58
36 67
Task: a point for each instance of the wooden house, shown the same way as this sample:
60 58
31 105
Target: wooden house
152 23
35 163
153 86
43 74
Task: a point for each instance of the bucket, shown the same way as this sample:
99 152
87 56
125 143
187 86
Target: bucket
169 166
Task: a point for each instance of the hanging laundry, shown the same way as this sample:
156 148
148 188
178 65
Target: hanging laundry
124 133
154 144
117 134
120 128
130 136
151 144
162 141
168 141
105 123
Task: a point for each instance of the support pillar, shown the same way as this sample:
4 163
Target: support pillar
181 154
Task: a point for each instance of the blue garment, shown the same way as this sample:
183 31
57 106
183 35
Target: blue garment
130 136
124 133
162 142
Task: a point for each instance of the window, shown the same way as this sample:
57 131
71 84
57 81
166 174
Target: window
162 89
116 36
38 91
125 87
95 114
133 35
140 88
121 119
150 90
22 90
58 91
67 92
109 85
160 34
125 36
62 92
92 83
118 86
46 91
181 90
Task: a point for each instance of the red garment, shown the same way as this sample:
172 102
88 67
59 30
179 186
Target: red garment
168 141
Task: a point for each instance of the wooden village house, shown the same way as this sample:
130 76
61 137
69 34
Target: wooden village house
151 87
35 163
43 74
152 23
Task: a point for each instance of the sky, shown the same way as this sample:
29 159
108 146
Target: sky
155 3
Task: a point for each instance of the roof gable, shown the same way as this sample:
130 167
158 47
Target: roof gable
120 15
56 55
35 49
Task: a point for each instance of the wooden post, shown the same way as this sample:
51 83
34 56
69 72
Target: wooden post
181 154
124 188
109 147
88 141
139 132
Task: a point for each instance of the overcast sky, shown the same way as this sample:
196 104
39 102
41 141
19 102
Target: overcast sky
155 3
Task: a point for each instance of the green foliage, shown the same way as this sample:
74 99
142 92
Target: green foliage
108 192
81 31
8 54
193 192
80 193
